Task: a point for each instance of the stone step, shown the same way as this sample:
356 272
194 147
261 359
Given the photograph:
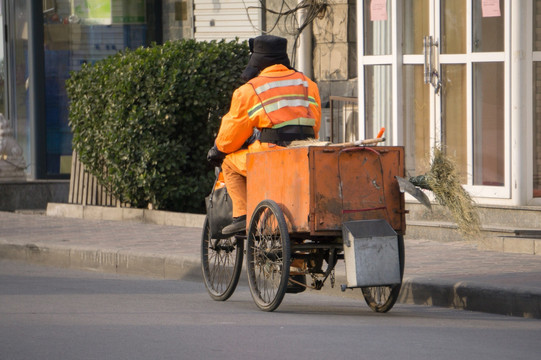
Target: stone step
526 217
31 211
520 245
494 238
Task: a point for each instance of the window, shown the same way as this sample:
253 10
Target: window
73 36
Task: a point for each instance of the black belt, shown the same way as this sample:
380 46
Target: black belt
284 135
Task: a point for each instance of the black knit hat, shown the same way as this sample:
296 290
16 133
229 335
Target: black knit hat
266 50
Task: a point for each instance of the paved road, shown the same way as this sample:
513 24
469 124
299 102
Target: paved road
49 313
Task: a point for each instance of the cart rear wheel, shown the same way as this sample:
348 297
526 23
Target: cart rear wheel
382 298
268 255
221 263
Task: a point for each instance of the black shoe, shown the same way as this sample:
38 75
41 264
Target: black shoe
238 225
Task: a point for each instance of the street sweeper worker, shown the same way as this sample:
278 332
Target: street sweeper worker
275 106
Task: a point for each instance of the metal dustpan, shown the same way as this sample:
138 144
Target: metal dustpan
406 186
371 253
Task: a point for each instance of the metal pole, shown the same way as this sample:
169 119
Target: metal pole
36 89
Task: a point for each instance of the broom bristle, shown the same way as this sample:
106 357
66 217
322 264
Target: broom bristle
445 183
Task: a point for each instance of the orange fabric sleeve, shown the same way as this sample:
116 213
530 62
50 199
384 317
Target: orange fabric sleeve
236 127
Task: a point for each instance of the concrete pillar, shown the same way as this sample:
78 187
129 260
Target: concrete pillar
304 51
520 137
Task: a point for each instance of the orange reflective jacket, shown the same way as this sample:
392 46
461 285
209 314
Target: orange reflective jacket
283 100
277 97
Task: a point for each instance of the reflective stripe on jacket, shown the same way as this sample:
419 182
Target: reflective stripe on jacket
284 100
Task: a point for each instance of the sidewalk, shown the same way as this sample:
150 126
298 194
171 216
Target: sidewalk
439 274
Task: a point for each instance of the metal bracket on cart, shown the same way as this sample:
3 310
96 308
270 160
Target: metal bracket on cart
318 275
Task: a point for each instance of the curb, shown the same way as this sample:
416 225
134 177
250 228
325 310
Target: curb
107 261
157 217
471 296
415 291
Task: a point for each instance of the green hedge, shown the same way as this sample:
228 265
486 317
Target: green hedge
149 116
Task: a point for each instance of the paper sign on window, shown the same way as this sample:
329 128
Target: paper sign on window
490 8
378 10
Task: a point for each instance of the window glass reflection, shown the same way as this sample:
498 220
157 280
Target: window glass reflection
488 31
454 116
537 131
415 26
488 123
75 35
453 26
416 112
378 100
377 32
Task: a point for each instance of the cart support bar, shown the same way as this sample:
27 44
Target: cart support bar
361 210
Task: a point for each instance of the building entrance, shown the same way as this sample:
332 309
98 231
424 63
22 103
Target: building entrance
435 74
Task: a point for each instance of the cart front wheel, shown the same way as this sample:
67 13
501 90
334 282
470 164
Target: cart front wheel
221 263
382 298
268 255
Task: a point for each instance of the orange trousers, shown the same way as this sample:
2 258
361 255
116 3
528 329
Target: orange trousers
236 186
234 171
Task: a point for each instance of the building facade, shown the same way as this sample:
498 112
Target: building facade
461 74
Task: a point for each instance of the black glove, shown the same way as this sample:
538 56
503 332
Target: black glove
256 134
215 157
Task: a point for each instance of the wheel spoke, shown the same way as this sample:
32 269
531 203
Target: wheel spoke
380 294
221 268
267 236
221 261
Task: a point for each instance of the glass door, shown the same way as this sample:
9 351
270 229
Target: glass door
3 72
14 71
536 128
13 32
454 89
417 105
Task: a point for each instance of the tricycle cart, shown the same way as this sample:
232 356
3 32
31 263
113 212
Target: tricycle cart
309 207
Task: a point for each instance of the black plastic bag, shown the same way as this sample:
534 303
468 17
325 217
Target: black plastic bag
219 210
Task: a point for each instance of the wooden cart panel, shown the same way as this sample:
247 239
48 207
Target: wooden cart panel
319 188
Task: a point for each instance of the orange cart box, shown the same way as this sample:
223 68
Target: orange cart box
320 187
